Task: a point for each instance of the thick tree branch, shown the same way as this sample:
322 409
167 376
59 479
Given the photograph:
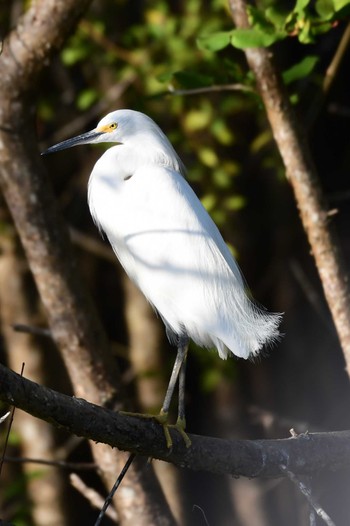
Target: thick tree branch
303 177
303 454
39 34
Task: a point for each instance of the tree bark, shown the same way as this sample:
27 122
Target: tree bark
72 319
302 175
37 438
304 454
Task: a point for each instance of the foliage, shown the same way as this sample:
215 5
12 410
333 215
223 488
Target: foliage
273 23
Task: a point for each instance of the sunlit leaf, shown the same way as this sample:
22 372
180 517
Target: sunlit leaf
235 202
261 140
305 36
208 157
276 16
197 119
72 55
86 99
301 5
222 133
325 8
209 201
340 4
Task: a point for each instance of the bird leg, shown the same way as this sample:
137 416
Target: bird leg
181 419
178 373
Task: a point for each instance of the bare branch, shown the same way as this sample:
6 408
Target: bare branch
35 331
95 499
3 418
211 89
307 493
251 458
116 485
81 466
8 431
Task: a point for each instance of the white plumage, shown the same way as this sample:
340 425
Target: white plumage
170 247
167 242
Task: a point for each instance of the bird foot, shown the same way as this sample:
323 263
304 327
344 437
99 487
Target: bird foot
180 426
162 419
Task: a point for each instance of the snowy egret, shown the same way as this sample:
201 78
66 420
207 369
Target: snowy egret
169 246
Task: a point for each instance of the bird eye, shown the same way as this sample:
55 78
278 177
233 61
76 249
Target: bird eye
113 126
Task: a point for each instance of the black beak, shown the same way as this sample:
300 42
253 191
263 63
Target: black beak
84 138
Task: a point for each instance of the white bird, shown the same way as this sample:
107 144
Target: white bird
169 246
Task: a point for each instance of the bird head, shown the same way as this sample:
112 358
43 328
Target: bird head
131 128
106 131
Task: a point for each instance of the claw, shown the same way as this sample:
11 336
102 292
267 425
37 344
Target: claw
180 426
162 419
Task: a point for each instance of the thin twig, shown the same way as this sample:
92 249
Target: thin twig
3 418
82 466
310 292
92 245
312 518
79 123
9 430
95 499
31 329
114 489
329 78
196 507
307 493
211 89
130 57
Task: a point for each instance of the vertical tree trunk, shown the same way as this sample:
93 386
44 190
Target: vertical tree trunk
72 318
302 175
37 439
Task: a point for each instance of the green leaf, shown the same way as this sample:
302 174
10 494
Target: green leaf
209 201
321 28
276 16
325 9
258 20
165 77
301 69
215 41
305 36
340 4
197 119
86 99
245 38
72 55
301 5
208 157
234 203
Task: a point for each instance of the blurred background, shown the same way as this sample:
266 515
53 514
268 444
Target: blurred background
145 56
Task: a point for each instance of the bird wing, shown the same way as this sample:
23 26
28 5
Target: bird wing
171 248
